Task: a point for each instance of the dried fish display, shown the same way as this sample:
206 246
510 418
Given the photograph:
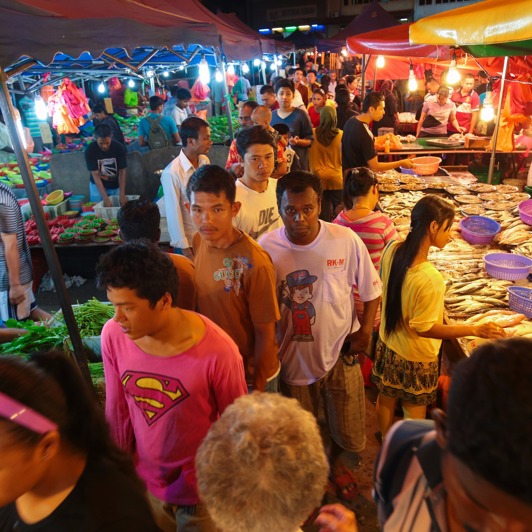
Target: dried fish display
506 189
481 187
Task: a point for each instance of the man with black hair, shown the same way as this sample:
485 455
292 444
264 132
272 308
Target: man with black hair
319 334
169 374
233 164
235 277
196 136
100 116
358 143
469 469
255 190
301 135
181 112
267 97
155 119
138 219
106 161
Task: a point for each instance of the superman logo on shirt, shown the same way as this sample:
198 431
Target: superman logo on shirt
153 394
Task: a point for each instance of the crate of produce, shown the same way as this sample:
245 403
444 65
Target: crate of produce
56 210
479 230
520 300
108 213
507 266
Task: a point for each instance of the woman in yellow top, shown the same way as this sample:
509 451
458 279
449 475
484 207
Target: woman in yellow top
325 160
411 330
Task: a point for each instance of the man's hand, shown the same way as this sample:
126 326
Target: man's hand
293 141
123 199
107 202
407 163
359 341
336 518
104 177
237 169
16 294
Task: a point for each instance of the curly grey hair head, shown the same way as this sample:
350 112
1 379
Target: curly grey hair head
262 466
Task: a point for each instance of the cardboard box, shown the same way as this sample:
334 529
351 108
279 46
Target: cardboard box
476 142
108 213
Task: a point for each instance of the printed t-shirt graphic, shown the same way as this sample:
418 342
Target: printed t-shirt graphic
296 293
108 167
231 273
154 394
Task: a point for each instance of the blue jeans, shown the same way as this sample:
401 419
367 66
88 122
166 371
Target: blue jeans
95 193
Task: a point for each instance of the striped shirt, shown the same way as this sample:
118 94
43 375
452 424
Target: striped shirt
376 230
11 223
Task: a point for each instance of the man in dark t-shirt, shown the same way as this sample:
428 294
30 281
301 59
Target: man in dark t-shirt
358 145
107 163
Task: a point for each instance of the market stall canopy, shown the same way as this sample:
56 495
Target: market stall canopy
190 21
492 28
372 17
269 45
393 41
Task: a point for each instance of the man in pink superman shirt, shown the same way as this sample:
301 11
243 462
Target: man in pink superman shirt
169 374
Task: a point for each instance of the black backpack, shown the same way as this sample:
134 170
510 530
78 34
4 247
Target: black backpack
156 137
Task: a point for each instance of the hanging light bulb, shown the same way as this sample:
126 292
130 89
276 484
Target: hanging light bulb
150 73
231 70
166 73
40 108
453 76
412 81
245 68
262 65
380 61
204 74
131 84
487 113
273 66
344 52
101 88
218 75
256 62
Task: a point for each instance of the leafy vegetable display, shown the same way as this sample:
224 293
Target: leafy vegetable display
90 317
219 128
38 337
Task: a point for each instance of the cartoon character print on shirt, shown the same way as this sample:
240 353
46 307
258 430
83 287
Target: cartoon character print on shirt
232 272
153 394
108 167
296 293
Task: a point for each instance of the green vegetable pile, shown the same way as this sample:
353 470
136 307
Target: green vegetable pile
90 317
38 338
219 128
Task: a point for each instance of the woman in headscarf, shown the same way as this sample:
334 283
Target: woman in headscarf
325 158
391 115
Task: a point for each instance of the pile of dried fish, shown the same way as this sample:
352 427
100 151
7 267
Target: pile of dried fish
516 233
466 298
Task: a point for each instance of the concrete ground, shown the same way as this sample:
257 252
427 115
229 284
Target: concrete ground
361 464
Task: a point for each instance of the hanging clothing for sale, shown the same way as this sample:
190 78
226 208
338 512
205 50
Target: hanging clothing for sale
67 107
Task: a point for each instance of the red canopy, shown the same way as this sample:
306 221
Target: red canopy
183 16
393 41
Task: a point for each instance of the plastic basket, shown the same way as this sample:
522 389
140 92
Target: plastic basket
525 211
108 213
507 266
520 300
479 230
426 165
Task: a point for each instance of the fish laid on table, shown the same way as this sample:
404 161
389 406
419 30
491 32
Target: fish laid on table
503 318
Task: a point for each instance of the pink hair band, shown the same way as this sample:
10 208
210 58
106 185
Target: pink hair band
23 415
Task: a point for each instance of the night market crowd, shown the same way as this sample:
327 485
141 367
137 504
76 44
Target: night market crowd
286 289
